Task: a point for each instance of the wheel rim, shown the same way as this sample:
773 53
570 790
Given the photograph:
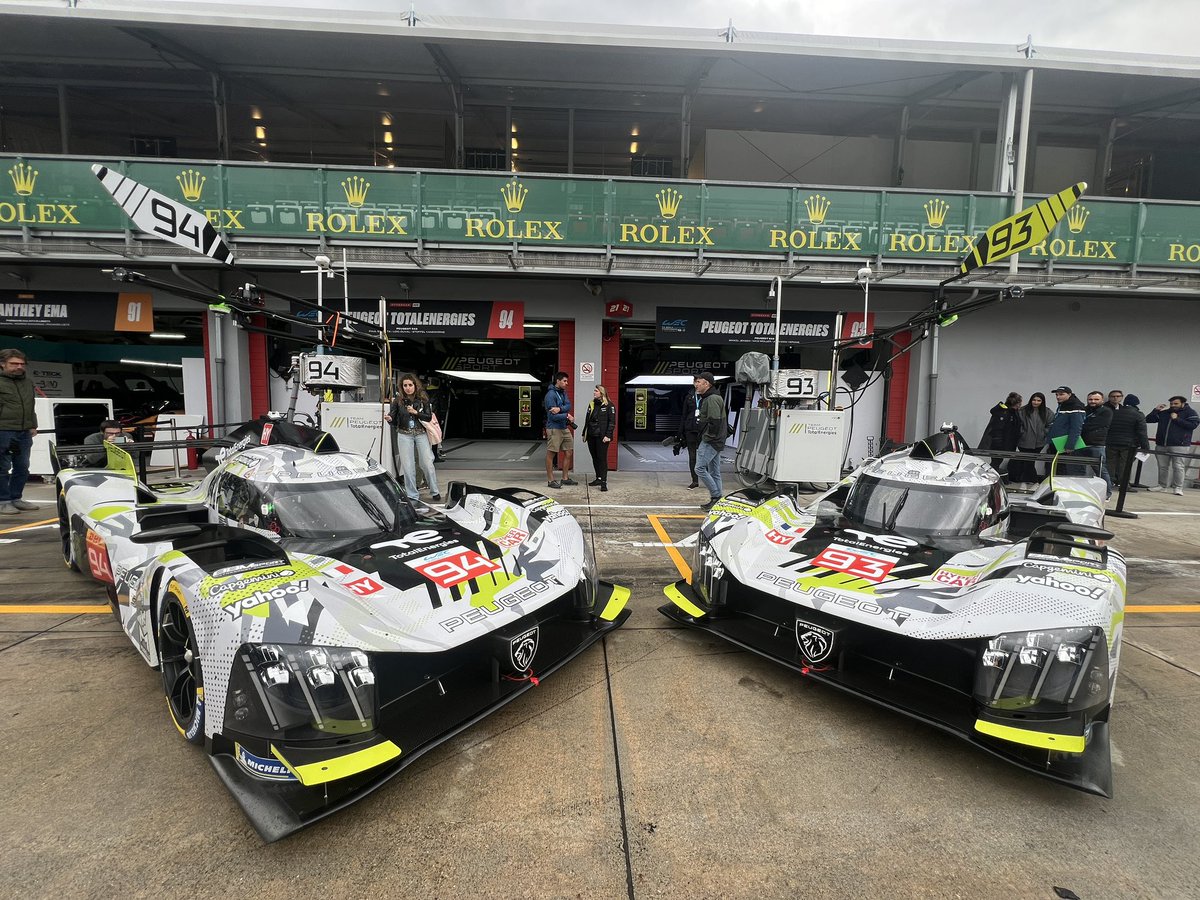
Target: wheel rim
180 663
64 532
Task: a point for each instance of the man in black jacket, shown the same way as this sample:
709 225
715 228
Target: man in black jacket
689 431
18 425
1095 434
1126 434
714 429
1176 421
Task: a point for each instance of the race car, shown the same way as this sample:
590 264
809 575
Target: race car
918 584
315 630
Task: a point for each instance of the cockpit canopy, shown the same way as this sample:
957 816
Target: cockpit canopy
924 509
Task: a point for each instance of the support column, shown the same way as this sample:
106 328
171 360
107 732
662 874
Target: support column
1022 152
64 122
1104 158
571 141
1004 136
460 153
610 377
220 108
508 136
898 149
685 136
976 150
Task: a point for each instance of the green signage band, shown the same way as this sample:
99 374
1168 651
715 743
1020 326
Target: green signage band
395 206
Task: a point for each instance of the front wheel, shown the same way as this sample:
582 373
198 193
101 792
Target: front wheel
183 680
66 535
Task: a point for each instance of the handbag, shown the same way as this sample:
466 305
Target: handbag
433 429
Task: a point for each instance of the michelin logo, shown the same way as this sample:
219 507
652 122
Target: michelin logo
269 769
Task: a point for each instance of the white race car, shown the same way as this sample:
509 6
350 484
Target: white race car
917 583
315 630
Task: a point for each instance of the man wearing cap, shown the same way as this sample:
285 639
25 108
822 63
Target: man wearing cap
1126 434
1063 433
714 429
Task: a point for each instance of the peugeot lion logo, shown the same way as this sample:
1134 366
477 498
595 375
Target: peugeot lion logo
815 642
523 648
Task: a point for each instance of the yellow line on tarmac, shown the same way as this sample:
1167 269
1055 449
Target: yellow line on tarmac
28 525
676 557
51 608
1165 608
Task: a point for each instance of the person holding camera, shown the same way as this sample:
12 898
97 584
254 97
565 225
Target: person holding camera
598 426
560 425
1176 421
409 412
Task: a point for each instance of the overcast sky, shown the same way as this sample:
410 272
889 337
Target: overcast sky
1142 26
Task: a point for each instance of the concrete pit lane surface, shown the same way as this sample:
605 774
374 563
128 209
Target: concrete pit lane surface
662 762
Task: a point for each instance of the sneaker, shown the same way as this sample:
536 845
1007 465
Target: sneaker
553 484
595 482
569 482
7 509
604 487
24 504
710 504
436 497
1178 492
1155 488
694 484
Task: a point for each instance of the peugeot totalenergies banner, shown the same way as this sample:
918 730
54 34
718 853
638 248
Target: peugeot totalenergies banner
681 325
438 318
399 206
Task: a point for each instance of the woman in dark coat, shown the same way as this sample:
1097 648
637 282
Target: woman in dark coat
1004 429
598 429
1035 419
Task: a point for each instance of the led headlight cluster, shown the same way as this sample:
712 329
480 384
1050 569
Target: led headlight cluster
301 692
707 572
1053 671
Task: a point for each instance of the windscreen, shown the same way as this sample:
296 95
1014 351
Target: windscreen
917 509
338 509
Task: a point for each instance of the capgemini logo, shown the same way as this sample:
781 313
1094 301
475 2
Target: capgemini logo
191 183
24 178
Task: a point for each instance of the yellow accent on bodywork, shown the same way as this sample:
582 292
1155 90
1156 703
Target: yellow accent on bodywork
340 766
508 521
485 597
1067 743
118 461
616 603
100 513
676 596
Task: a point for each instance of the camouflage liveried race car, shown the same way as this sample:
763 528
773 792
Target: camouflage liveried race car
917 583
315 630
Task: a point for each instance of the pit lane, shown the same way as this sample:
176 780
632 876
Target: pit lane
663 763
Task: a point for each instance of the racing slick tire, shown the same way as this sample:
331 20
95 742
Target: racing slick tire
66 533
179 659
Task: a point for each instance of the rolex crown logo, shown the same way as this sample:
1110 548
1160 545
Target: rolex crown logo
668 202
191 183
514 194
356 188
23 178
935 212
1076 218
817 207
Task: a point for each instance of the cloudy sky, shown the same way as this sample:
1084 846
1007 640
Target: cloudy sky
1141 26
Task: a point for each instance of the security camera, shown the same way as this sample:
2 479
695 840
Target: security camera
864 273
322 261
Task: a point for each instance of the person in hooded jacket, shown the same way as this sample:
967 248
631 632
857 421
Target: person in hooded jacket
1063 435
18 425
1176 421
1004 428
598 428
1035 420
1126 435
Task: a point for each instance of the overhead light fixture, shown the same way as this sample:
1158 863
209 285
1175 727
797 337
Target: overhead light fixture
153 364
634 131
759 106
633 146
514 127
665 380
381 89
260 132
387 137
255 113
168 335
540 325
685 347
515 145
472 341
493 377
386 120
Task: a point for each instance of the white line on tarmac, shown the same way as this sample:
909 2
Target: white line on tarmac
1152 513
1171 562
696 508
689 541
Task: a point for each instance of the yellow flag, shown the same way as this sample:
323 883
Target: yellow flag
1026 228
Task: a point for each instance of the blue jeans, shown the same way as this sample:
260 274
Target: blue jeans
1099 453
408 448
708 469
15 447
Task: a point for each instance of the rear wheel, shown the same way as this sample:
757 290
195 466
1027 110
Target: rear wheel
66 535
183 680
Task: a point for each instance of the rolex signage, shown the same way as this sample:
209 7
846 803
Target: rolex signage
56 194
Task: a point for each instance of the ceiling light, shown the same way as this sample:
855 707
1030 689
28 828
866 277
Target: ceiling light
665 380
381 89
387 137
758 107
493 377
685 347
540 325
168 335
514 127
260 132
472 341
633 146
515 144
386 120
255 113
151 363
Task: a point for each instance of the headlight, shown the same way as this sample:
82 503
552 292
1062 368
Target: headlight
1054 671
292 692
